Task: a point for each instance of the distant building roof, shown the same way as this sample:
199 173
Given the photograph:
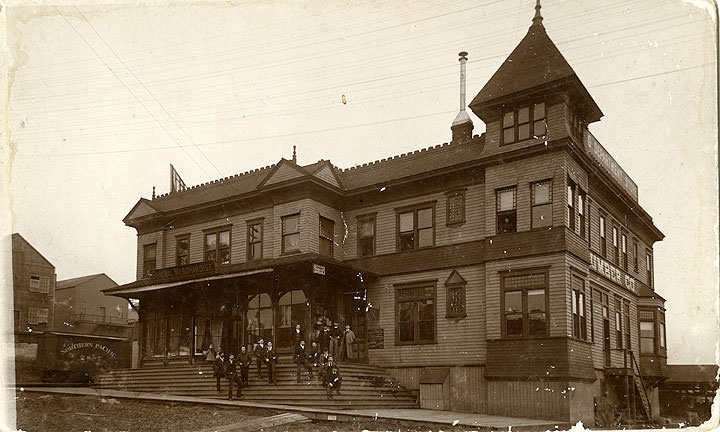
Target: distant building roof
69 283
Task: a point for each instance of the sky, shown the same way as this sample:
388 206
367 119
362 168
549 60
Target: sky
102 99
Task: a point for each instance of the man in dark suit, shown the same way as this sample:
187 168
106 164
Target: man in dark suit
244 361
271 362
232 377
260 351
333 377
302 360
324 339
219 369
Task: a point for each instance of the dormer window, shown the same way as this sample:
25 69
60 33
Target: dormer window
524 123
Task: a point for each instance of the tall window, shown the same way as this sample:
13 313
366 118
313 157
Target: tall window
37 315
616 250
254 239
522 123
647 331
415 228
506 210
661 331
582 198
618 324
635 255
455 209
415 314
259 318
648 267
571 204
624 252
578 308
182 250
542 204
291 233
217 246
327 236
591 312
524 305
603 239
39 284
149 255
626 327
606 326
366 235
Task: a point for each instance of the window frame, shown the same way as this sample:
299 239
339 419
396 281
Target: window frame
616 245
545 271
649 266
582 204
147 271
531 120
251 242
35 314
534 204
635 255
501 213
416 319
579 310
283 234
372 219
43 284
324 238
618 324
623 250
178 239
217 231
571 193
652 319
414 209
449 196
602 221
626 324
461 286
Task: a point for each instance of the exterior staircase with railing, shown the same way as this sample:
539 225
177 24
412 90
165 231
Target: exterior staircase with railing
363 386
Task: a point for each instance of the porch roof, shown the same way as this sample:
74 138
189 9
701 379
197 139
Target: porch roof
235 270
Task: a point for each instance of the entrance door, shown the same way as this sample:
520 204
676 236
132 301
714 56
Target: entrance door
293 309
356 317
259 319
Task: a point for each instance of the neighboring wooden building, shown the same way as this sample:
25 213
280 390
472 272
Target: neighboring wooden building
33 291
509 273
82 308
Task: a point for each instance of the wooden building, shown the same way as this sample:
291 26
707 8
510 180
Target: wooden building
33 291
508 273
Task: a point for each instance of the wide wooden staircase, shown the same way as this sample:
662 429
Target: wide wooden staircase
363 386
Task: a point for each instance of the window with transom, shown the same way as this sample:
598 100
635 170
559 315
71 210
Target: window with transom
524 305
542 204
506 210
415 314
291 233
415 228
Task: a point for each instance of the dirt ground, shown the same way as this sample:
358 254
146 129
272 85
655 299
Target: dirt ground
51 412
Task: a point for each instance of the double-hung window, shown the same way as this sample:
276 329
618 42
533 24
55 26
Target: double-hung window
506 210
524 305
291 233
149 259
255 239
603 237
217 246
616 250
647 332
366 235
38 315
626 327
542 204
415 313
581 200
578 308
182 250
40 284
571 204
624 252
618 324
648 267
327 236
635 255
415 227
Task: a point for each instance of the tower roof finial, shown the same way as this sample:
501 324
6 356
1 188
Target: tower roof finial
294 157
537 19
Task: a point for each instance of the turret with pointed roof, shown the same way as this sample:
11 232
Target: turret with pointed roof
534 67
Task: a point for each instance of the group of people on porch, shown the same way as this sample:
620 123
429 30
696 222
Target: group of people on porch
327 346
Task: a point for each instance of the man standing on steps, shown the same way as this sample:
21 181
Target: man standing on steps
232 377
335 336
347 346
219 368
260 356
302 360
244 362
271 361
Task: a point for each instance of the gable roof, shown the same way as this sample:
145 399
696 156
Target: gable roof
283 171
69 283
535 63
18 238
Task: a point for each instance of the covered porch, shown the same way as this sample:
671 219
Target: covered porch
184 309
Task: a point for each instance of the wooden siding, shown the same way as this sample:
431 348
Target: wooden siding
467 386
534 399
284 172
27 261
386 230
557 291
540 358
326 175
521 173
458 341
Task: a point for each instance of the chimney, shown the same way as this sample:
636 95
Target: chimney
462 126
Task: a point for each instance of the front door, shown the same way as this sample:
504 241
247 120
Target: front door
259 319
293 309
356 317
